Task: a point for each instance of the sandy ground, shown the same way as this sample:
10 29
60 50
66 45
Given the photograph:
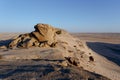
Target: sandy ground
99 37
45 64
105 44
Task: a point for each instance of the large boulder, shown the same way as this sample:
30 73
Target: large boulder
44 32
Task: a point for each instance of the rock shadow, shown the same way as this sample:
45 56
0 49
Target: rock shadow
5 42
108 50
45 69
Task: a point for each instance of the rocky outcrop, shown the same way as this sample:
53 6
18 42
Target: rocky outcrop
62 48
72 49
44 35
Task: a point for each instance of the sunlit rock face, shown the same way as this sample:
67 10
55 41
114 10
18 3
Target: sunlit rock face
44 35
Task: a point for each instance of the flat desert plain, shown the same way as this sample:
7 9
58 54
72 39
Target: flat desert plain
105 44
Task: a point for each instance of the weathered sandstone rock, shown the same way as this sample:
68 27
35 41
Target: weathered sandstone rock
44 35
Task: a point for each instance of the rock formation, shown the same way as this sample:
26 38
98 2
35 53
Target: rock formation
73 50
49 43
44 35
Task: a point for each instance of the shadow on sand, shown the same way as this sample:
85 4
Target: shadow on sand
110 51
5 42
44 71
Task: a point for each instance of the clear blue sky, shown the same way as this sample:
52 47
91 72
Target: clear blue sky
72 15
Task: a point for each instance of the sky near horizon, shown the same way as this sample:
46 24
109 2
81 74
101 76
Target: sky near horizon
71 15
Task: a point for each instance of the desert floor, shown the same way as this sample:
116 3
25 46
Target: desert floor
105 44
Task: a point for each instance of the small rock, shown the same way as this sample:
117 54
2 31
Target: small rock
3 47
91 58
72 60
64 63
